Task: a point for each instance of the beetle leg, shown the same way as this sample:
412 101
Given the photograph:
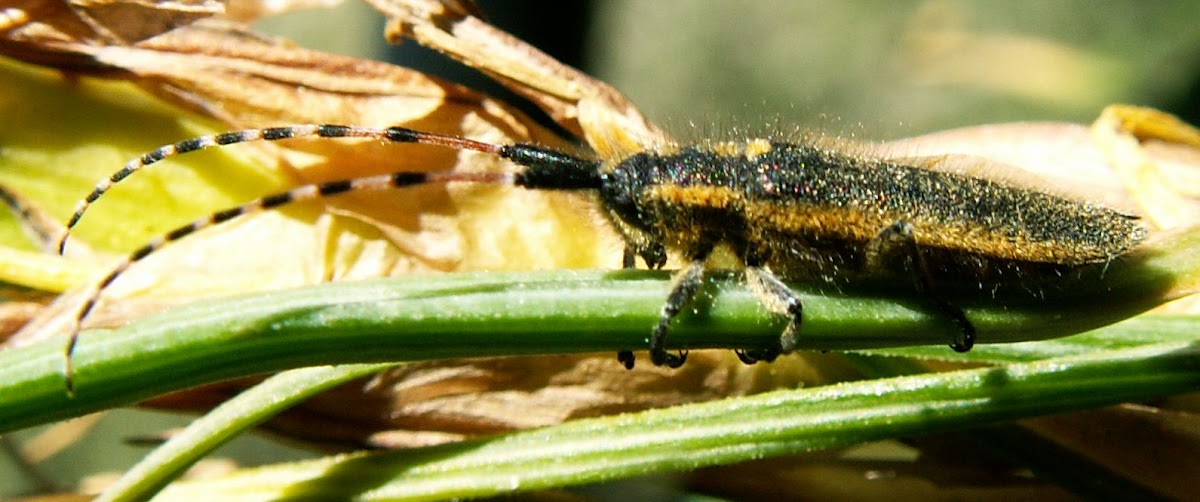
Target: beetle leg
778 298
898 240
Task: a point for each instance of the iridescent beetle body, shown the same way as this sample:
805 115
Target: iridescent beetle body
798 212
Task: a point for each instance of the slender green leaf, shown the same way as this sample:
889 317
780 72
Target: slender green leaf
237 415
722 432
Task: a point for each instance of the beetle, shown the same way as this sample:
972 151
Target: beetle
787 211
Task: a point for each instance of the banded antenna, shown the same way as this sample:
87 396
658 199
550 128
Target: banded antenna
546 169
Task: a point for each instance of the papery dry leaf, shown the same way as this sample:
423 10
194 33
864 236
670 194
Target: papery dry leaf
247 11
135 20
1119 133
593 110
42 22
439 401
16 313
32 26
250 81
1156 447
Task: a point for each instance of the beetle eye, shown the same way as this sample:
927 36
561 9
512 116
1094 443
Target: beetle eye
618 193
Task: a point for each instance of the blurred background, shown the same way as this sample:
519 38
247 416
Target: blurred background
882 69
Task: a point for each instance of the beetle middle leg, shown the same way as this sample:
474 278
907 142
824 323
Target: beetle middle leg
897 240
778 298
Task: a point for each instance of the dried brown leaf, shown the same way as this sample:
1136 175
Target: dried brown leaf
135 20
435 402
14 314
593 110
220 69
1153 446
251 10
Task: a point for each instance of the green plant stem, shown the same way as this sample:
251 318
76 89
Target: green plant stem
467 315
